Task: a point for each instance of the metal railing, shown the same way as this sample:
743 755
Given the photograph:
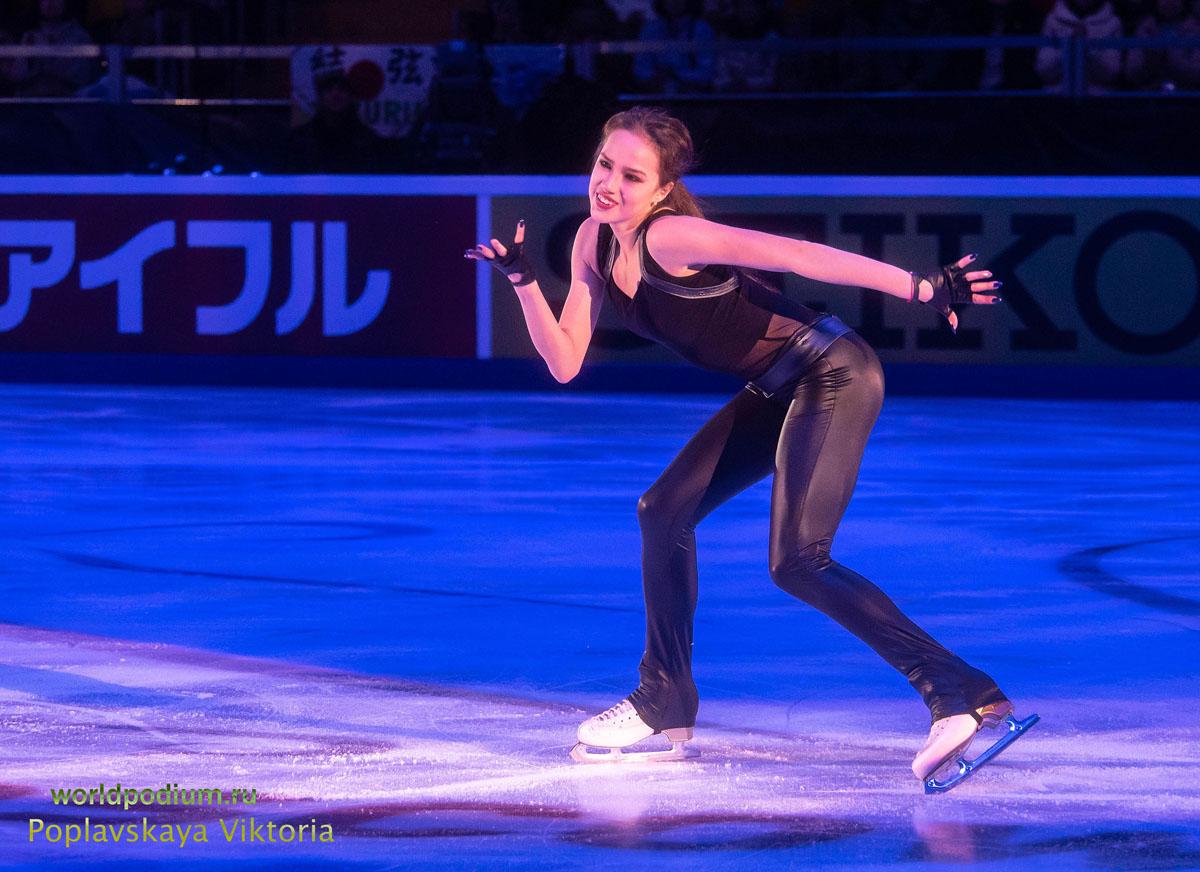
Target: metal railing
1074 51
116 60
586 60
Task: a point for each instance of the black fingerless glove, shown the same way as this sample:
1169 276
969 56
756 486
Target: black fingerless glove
950 288
515 265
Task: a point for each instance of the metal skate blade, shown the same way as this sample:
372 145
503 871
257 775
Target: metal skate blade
582 753
960 770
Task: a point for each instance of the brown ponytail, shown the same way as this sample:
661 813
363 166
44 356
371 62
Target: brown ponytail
681 200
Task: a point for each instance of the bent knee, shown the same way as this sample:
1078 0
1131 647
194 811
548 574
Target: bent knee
649 508
663 517
655 510
800 568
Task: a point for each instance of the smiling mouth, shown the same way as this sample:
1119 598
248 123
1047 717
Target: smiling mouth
605 202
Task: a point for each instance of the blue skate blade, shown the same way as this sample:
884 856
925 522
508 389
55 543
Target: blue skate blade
1016 729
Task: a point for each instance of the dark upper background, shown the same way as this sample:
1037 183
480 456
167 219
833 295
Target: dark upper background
833 110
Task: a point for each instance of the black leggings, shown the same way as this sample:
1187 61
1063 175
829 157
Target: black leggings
812 437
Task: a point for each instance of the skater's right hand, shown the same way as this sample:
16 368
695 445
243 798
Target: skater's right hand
509 259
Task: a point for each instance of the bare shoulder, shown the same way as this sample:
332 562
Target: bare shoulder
585 241
670 226
588 230
666 231
672 240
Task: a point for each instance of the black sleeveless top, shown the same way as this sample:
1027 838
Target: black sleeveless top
716 319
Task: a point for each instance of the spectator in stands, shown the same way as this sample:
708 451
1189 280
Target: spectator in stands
676 71
335 140
813 71
1132 13
595 21
1154 68
138 25
7 66
463 123
632 15
1079 19
1185 62
1005 69
740 70
557 134
924 69
587 21
197 22
51 76
509 21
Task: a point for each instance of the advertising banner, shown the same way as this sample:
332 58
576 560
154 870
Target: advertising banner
1100 273
1108 281
237 274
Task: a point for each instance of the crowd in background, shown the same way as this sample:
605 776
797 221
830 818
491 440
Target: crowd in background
706 24
479 111
74 22
709 22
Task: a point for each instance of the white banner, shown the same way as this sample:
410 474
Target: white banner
390 82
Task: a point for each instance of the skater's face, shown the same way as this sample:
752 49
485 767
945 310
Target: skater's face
625 183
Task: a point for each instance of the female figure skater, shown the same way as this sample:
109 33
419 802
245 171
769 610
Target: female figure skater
815 389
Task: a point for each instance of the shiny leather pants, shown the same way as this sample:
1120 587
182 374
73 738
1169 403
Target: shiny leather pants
811 436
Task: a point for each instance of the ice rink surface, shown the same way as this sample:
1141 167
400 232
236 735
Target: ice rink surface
386 612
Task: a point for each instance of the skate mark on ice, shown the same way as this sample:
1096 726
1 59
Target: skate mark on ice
689 832
17 791
65 687
1084 567
704 832
93 562
370 531
25 637
1118 849
731 831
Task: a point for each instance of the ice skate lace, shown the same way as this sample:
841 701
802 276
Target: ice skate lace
621 710
936 731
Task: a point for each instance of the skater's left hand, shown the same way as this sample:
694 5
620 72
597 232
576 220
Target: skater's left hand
952 285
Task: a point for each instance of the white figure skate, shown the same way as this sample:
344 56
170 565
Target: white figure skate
942 763
604 738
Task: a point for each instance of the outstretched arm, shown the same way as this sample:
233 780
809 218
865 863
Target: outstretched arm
679 241
561 342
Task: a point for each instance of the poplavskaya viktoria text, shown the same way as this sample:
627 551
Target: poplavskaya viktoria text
244 830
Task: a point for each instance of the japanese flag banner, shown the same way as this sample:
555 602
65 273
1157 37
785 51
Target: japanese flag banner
390 82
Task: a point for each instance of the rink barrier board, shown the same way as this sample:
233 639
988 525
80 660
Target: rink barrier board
1099 272
464 374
